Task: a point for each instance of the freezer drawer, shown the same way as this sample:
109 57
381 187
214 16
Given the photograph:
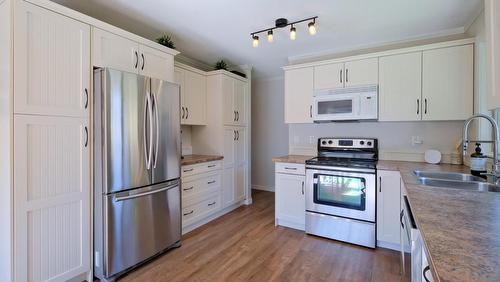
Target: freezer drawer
139 224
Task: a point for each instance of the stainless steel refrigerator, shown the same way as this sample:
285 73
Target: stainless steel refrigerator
137 151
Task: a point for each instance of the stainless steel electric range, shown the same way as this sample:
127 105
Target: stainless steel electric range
341 189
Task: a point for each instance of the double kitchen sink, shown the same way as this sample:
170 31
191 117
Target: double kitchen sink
455 180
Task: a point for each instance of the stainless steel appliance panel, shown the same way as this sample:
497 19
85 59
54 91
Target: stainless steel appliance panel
126 126
368 214
166 130
342 229
140 223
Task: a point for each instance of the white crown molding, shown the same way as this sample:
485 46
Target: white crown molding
474 16
365 48
193 63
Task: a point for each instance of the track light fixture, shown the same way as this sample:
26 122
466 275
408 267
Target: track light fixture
281 23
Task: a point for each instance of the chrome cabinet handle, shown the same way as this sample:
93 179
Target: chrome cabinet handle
234 112
143 61
188 170
157 119
340 76
401 214
136 59
346 75
211 166
86 98
311 111
211 204
425 101
426 269
211 182
302 187
184 214
291 168
380 184
237 116
234 135
86 137
187 189
418 106
187 112
237 135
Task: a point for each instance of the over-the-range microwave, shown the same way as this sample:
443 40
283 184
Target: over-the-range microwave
344 104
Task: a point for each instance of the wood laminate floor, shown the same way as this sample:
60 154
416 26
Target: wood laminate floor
244 245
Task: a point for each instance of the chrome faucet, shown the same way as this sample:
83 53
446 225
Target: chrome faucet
495 170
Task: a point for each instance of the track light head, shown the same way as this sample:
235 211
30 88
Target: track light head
293 33
255 42
270 36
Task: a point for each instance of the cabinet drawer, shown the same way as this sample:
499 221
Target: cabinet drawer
291 168
196 189
200 210
189 170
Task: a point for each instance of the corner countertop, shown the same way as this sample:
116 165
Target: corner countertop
460 229
296 159
196 159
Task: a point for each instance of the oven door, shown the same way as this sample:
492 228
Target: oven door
348 194
336 107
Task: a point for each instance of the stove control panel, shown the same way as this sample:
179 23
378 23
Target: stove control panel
349 143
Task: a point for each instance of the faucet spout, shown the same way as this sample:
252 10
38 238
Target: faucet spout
496 166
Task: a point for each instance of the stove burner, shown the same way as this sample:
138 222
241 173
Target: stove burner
346 152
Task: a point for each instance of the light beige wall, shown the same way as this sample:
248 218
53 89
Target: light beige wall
269 132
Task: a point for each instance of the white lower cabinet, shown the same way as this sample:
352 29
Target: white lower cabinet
52 198
201 193
290 197
388 209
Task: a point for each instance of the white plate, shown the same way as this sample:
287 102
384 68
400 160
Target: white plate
432 156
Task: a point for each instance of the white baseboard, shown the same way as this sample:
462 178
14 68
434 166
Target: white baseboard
263 188
387 245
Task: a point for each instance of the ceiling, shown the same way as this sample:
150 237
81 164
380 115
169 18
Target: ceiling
210 30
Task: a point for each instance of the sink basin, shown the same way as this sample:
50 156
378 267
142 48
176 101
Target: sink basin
458 184
448 175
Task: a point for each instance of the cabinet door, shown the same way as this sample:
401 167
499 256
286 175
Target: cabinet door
240 89
228 187
51 198
492 20
361 72
179 77
329 76
388 206
195 88
290 199
229 146
52 59
298 95
400 87
228 94
113 51
240 182
240 145
155 63
447 83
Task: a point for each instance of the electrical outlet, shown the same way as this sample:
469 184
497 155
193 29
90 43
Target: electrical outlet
312 139
416 140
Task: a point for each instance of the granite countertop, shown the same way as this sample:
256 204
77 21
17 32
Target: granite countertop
461 229
196 159
296 159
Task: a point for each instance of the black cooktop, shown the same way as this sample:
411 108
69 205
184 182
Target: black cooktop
342 162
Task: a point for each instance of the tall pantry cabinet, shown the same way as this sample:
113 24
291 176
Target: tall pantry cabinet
227 132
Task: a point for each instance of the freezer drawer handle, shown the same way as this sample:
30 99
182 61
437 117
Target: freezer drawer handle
187 189
188 213
119 199
211 182
211 204
426 269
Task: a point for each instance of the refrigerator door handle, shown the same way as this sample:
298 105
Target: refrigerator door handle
157 120
146 106
149 112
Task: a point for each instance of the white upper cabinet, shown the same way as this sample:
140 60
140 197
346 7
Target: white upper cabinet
447 83
113 51
156 64
329 76
235 97
400 87
492 19
361 72
52 197
299 95
240 89
117 52
52 63
193 96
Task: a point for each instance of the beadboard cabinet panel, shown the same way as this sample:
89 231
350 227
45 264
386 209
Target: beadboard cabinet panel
52 59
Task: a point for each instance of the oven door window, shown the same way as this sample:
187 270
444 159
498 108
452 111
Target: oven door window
335 107
340 191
